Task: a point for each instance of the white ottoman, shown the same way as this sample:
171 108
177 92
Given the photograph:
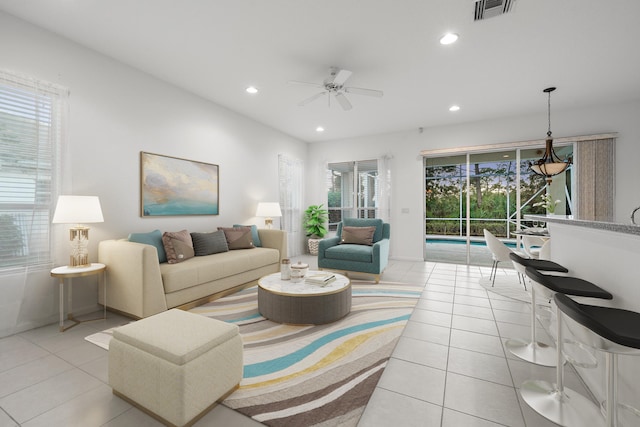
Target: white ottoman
175 365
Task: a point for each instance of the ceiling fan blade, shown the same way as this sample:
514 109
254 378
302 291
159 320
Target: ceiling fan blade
361 91
310 99
341 77
343 101
294 82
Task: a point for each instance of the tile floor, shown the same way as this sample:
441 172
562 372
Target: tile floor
450 367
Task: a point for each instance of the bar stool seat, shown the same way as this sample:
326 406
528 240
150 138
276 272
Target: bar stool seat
532 350
611 330
550 400
538 264
567 285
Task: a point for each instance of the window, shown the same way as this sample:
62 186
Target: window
353 190
31 117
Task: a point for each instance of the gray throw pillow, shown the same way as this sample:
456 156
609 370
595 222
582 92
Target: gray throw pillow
209 243
254 234
358 235
238 237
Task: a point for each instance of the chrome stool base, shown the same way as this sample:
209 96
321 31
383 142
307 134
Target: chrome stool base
535 352
567 408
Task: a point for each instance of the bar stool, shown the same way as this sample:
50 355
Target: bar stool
550 399
611 330
533 351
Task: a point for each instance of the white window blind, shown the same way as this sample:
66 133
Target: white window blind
291 173
31 126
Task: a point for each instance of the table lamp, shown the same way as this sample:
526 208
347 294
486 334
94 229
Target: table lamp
268 210
78 210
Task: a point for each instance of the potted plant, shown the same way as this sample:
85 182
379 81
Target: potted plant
315 218
548 203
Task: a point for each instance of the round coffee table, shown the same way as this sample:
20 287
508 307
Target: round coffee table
302 303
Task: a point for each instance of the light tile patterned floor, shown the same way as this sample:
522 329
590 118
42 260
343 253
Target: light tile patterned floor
449 368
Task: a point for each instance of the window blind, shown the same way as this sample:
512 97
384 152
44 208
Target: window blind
31 126
291 177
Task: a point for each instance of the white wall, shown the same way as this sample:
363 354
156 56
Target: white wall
407 173
116 112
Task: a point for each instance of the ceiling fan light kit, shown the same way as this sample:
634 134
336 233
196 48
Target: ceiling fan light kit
334 85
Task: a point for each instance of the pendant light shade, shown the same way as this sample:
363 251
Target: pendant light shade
550 164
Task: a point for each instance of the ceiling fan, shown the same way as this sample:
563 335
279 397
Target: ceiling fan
334 85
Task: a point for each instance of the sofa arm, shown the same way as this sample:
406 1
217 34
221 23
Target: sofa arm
134 282
275 239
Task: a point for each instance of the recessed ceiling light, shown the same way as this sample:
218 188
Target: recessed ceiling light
454 108
252 89
449 38
319 129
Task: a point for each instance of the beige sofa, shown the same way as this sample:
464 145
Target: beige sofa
138 286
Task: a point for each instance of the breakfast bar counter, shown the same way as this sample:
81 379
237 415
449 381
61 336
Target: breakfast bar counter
608 255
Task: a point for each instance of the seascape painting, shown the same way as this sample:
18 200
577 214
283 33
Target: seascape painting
173 186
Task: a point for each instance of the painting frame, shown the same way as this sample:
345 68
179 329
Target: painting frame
173 186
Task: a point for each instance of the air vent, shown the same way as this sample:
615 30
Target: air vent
490 8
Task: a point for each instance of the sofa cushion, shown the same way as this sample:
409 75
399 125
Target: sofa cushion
349 252
178 246
254 234
209 243
238 237
204 269
358 235
153 238
366 222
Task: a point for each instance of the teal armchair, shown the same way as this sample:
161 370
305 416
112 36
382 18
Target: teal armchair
373 259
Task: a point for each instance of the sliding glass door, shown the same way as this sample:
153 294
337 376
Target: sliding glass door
493 190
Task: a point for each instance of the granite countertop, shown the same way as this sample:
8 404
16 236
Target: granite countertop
599 225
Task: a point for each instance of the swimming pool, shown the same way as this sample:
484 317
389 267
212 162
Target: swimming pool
463 241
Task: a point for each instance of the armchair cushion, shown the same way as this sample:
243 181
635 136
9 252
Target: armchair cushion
348 252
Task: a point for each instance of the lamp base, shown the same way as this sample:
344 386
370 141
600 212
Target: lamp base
268 222
79 240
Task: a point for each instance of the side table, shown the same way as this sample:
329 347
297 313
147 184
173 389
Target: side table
67 272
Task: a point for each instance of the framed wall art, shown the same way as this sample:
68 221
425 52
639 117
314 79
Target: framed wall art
172 186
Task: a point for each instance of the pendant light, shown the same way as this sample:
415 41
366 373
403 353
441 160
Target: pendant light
550 164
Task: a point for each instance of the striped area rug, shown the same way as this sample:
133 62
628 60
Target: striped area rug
315 375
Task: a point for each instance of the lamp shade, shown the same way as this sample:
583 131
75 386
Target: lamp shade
268 209
77 210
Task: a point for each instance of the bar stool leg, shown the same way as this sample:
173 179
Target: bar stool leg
612 389
533 351
556 403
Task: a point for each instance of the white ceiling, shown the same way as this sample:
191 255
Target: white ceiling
216 48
